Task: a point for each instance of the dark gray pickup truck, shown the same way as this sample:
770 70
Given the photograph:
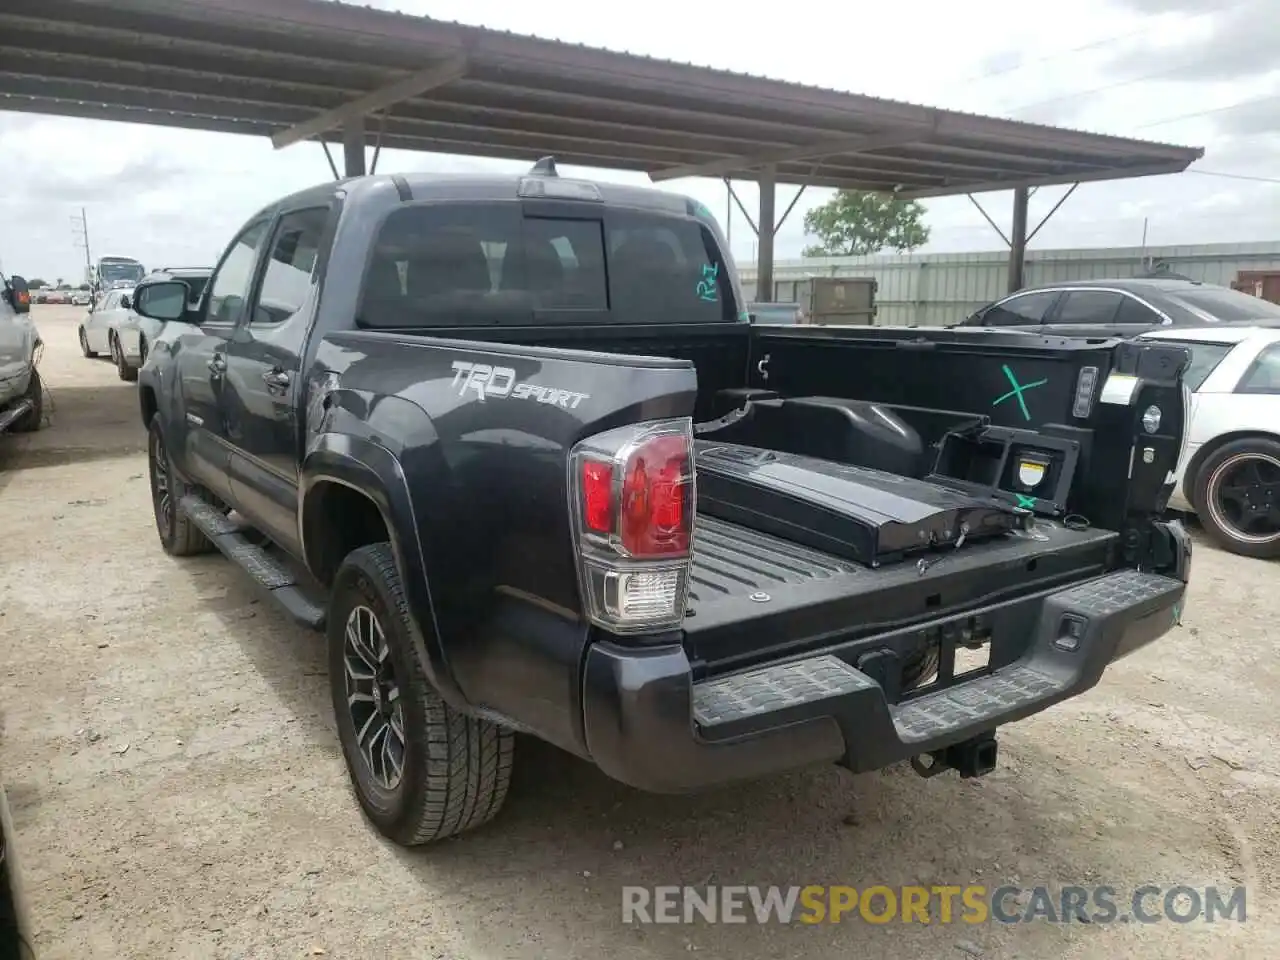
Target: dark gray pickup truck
513 443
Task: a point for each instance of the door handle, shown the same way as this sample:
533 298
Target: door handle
277 379
218 364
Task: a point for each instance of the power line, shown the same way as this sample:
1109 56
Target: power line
1142 78
1023 64
1235 176
1210 112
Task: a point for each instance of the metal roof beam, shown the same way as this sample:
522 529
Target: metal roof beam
406 88
1106 173
895 137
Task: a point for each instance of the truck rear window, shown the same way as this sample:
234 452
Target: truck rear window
467 264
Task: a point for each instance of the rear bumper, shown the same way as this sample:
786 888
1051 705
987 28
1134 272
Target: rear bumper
649 725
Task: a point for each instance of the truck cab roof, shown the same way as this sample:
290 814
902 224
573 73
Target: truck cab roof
425 186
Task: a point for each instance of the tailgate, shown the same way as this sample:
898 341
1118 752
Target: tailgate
755 598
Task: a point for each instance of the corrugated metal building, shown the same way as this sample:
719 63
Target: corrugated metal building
943 288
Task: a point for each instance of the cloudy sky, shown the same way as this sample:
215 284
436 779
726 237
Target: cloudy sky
1196 72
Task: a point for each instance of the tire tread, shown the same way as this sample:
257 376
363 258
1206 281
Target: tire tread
468 760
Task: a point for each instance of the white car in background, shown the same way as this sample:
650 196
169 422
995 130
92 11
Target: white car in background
1229 473
100 330
114 329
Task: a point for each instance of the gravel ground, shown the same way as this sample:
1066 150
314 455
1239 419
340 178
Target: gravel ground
175 775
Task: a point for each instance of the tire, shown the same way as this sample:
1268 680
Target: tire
1232 508
455 769
127 373
920 668
84 346
33 419
178 535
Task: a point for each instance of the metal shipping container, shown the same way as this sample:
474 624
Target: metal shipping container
831 300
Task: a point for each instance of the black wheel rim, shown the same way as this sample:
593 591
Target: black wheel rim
373 698
1245 497
161 494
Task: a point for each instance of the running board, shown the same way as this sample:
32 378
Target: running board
15 413
270 574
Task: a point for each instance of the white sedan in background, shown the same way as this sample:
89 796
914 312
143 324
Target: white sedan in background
100 331
1229 473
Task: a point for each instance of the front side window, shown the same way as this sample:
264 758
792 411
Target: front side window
229 289
1134 311
480 263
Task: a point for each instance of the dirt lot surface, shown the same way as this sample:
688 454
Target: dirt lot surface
178 790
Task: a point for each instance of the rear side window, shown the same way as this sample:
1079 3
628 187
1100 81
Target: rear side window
1025 310
1133 311
456 264
1088 306
1263 375
1205 358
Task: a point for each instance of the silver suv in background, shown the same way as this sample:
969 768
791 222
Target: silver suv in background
21 392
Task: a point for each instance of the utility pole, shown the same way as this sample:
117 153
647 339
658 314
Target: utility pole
80 227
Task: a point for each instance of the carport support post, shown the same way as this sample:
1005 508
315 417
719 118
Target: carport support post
768 181
1018 239
353 147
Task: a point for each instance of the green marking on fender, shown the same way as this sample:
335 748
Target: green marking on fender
1027 503
1018 390
1177 614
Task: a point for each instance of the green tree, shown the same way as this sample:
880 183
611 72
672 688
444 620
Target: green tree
855 223
84 286
36 284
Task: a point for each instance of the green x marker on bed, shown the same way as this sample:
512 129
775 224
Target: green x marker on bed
1017 391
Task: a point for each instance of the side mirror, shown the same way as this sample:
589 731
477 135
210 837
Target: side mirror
125 302
164 300
18 295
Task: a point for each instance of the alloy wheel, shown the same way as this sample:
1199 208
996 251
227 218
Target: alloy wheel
373 698
1244 497
161 494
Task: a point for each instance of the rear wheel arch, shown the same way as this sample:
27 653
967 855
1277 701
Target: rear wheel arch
370 471
339 517
147 403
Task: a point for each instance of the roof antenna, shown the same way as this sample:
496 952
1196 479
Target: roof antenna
546 167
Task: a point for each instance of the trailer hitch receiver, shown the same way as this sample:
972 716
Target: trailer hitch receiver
975 757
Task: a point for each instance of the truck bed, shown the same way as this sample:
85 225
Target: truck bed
755 597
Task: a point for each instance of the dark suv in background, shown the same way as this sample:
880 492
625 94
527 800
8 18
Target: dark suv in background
1123 308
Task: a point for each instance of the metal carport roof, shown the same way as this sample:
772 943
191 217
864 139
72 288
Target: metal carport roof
315 69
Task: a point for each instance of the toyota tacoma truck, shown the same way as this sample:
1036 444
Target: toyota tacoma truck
514 445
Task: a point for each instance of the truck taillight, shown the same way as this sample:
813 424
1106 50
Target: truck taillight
632 500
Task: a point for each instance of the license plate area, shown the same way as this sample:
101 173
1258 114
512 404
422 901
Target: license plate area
930 659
